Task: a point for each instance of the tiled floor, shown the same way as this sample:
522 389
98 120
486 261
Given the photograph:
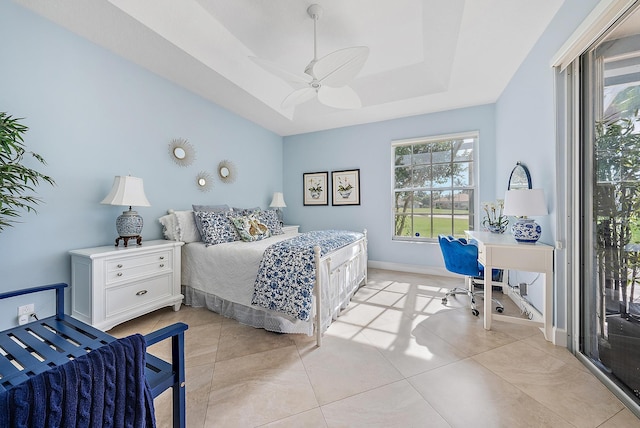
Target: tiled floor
396 358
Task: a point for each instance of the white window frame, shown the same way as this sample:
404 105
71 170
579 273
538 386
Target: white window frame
473 209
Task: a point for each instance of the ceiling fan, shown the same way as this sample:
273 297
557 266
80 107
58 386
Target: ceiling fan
327 77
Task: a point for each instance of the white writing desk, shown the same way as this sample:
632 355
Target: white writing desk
497 251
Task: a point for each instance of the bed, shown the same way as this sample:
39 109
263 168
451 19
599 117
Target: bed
235 277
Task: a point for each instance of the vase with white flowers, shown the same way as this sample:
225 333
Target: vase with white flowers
494 220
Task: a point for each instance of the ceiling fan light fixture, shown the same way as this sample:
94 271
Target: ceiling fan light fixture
327 77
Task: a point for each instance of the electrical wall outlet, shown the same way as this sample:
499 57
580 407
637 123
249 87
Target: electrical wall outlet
523 288
26 310
23 319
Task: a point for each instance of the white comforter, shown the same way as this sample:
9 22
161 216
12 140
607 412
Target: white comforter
227 270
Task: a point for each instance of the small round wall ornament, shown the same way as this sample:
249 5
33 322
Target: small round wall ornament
204 181
182 152
227 171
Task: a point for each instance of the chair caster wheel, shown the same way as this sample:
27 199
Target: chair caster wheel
444 300
475 312
500 309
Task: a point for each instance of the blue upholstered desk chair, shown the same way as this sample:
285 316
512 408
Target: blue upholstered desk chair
461 257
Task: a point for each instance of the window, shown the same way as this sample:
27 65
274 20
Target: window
434 186
610 312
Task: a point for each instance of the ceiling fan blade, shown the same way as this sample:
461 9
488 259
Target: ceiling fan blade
343 97
298 96
288 76
340 67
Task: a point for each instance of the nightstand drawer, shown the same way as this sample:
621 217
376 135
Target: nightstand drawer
117 264
135 267
122 299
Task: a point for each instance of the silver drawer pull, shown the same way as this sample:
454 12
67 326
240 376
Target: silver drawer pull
119 265
141 293
119 274
161 257
161 265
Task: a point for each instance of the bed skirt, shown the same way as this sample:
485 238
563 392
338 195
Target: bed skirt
253 317
263 318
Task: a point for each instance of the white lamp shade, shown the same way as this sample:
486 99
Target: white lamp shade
278 200
525 202
127 190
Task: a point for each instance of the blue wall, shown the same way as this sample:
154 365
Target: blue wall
93 115
526 131
368 147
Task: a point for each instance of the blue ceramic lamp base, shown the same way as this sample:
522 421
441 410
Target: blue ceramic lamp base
526 230
129 226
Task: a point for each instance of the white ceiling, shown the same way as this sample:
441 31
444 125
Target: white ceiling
425 55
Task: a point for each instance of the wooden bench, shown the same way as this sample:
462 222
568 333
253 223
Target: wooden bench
36 347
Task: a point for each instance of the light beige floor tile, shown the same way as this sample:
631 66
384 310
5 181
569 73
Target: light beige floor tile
259 388
198 385
191 316
361 314
385 298
141 325
427 285
622 419
201 345
560 352
467 394
414 352
310 419
579 397
237 340
342 368
394 405
465 332
363 294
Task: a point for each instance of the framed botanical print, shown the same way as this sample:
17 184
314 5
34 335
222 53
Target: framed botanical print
346 187
315 187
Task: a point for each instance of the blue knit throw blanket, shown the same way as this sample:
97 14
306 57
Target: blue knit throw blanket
105 388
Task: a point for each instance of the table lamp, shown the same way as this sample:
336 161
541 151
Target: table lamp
523 203
277 202
129 191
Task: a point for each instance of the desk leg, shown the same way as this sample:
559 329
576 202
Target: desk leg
488 290
548 306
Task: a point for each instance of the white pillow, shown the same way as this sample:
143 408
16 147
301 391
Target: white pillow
169 226
186 227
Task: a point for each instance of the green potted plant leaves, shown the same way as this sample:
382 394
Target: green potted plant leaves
16 179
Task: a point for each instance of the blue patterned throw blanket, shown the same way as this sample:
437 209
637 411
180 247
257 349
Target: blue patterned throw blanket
287 271
104 388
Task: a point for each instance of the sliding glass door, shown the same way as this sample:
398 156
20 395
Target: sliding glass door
610 206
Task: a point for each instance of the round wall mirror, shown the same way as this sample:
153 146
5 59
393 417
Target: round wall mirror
204 182
519 178
182 152
179 153
226 171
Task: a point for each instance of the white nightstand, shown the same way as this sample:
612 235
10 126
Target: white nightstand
110 285
289 229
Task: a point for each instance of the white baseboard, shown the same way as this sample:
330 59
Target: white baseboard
560 337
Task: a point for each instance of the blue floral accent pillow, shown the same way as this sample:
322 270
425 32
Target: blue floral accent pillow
239 212
270 219
216 227
250 228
